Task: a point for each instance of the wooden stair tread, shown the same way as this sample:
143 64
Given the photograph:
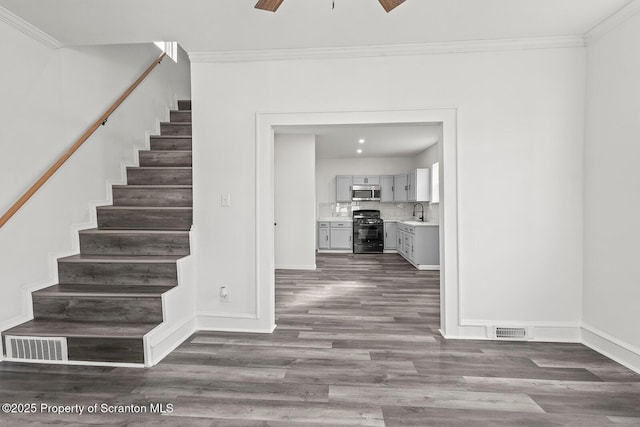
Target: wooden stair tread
106 291
122 259
166 151
160 167
111 294
153 186
171 137
44 328
159 208
125 231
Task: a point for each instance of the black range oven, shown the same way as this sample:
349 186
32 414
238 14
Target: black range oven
368 232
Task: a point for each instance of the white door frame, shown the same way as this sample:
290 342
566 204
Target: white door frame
265 259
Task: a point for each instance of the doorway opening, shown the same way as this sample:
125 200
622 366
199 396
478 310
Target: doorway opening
266 123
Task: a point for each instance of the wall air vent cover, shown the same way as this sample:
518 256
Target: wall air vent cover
511 333
36 348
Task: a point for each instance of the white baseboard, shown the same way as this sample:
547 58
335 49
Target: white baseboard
611 347
231 322
241 330
296 267
467 333
77 363
541 331
160 342
425 267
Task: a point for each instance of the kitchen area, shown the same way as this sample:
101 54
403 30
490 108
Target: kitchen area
360 190
376 214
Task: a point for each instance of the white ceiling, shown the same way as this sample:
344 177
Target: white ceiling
223 25
381 140
231 25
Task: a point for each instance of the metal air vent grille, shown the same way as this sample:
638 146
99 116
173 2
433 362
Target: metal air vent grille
511 333
36 348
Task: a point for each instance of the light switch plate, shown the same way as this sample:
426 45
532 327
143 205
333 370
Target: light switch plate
226 200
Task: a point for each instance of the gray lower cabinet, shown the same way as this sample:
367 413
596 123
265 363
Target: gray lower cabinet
341 238
323 235
390 235
335 235
420 245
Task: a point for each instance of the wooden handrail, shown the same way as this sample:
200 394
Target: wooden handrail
54 168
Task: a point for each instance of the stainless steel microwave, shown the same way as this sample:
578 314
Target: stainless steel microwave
365 192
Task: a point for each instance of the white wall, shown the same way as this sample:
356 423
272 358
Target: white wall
295 201
520 131
49 98
612 199
428 157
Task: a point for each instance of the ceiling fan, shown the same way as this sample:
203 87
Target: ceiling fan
273 5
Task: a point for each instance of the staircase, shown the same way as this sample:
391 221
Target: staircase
110 295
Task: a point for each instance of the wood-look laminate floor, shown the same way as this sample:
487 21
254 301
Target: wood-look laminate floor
356 344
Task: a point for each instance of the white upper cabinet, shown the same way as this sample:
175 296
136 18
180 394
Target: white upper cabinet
419 188
414 187
386 188
411 186
400 188
366 180
343 188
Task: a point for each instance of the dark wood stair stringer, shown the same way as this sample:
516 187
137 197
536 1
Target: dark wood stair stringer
110 295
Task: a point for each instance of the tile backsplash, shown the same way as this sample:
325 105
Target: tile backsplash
387 210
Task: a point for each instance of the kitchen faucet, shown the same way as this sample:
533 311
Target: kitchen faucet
421 211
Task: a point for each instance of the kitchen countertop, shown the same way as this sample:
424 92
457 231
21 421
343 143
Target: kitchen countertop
419 223
402 220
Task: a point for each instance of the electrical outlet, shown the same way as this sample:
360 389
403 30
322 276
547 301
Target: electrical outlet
224 294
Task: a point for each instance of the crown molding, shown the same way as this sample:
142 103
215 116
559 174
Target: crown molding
389 50
613 21
26 28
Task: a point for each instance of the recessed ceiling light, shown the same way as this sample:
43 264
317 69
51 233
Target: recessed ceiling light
359 151
361 141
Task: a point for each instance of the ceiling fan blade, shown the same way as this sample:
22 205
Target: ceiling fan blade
270 5
389 5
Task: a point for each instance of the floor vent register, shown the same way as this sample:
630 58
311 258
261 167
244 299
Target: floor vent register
510 333
36 348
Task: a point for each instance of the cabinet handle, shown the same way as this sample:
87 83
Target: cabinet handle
406 187
327 238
